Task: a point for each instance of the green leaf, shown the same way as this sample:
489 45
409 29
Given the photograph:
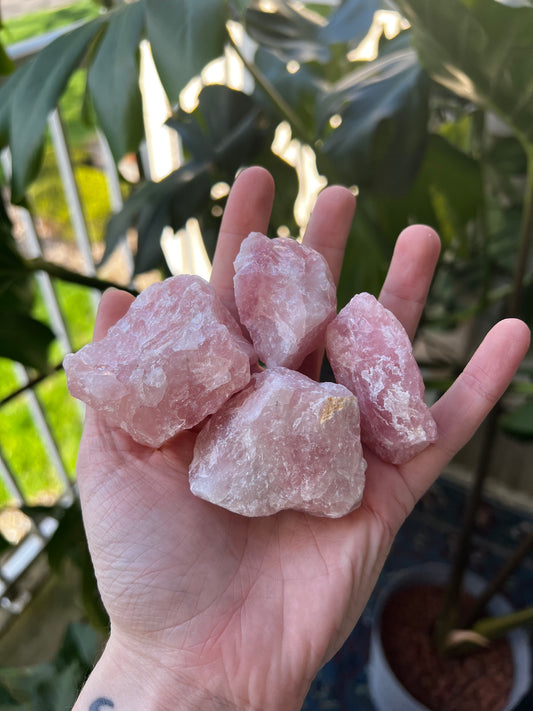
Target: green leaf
287 32
447 193
480 49
113 80
240 5
4 546
6 92
302 90
6 65
227 128
153 206
350 22
120 222
519 422
7 701
82 643
16 285
54 685
36 94
368 251
383 108
24 339
180 196
184 35
287 188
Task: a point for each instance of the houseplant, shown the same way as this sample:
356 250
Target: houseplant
414 140
497 680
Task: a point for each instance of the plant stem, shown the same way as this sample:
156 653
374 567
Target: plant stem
461 642
496 583
492 627
526 237
55 270
448 617
31 384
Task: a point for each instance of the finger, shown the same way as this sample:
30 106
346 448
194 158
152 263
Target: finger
247 210
329 226
327 231
113 305
410 273
462 409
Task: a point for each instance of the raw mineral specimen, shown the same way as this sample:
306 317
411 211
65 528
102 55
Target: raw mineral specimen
371 355
284 442
173 359
285 296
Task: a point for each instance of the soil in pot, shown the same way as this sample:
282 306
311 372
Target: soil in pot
480 681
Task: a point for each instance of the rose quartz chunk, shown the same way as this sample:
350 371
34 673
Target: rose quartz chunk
173 359
371 355
285 296
284 442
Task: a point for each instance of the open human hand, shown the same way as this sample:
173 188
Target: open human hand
211 610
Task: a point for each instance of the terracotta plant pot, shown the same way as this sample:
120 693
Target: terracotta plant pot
389 694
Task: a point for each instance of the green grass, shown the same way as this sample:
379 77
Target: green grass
18 29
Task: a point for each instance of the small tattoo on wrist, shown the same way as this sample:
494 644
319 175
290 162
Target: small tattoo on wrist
100 703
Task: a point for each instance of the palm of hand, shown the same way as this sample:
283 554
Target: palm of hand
250 608
178 573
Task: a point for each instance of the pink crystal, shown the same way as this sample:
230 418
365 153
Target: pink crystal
371 355
285 296
173 359
284 442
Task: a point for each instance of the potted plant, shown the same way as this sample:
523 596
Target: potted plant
408 673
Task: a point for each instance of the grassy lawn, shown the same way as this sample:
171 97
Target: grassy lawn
21 442
38 23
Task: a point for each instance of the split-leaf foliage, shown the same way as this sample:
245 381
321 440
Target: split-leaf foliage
410 127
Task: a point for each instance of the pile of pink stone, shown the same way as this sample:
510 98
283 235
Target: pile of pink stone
270 438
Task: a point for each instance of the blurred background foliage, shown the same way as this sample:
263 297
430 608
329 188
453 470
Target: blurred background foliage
421 120
425 109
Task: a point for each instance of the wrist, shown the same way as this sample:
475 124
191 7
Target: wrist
124 679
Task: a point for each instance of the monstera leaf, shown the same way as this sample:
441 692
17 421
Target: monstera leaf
113 80
382 112
184 34
226 130
37 91
480 49
287 31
